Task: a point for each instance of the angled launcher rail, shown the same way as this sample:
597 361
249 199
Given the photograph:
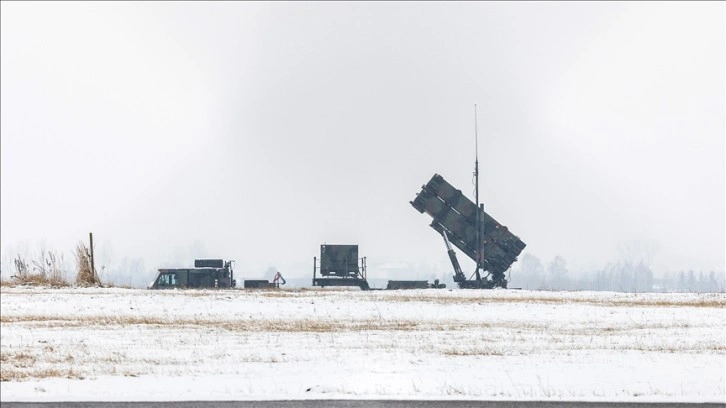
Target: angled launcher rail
455 218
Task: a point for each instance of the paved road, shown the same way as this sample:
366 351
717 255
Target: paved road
351 404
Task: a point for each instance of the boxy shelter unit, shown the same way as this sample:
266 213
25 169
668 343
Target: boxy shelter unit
207 273
339 265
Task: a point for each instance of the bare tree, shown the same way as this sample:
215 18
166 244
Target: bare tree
557 270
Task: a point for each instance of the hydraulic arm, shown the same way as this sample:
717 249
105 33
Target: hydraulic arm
278 277
458 274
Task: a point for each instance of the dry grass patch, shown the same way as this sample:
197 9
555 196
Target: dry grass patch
7 374
473 351
296 292
44 270
329 325
6 283
712 300
39 280
286 326
22 365
17 359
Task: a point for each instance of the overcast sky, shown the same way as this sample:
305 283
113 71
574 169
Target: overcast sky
258 131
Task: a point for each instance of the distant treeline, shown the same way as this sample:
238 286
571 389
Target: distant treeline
621 276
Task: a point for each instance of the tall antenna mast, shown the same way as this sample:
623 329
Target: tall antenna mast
476 193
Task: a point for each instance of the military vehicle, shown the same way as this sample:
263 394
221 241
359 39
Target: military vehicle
339 265
207 273
455 217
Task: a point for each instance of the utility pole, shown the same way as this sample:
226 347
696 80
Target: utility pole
93 268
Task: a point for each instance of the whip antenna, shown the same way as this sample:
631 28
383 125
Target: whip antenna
476 193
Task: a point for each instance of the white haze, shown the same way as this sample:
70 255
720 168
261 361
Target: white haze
258 131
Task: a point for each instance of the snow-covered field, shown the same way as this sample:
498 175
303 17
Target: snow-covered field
128 344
